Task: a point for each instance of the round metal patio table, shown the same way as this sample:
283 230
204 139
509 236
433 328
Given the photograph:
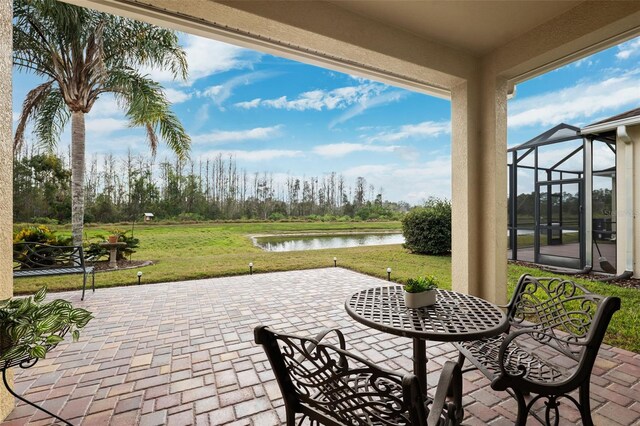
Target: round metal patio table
455 317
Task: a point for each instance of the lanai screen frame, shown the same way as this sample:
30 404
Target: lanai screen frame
558 134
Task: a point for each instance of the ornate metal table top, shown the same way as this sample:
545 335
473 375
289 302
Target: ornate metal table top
455 317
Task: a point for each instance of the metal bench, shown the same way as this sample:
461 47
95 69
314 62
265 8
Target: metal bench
329 386
38 259
556 328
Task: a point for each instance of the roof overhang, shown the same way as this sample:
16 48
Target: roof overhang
428 46
610 126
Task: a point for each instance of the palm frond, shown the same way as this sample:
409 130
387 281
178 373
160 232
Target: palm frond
147 106
53 116
30 107
137 44
84 53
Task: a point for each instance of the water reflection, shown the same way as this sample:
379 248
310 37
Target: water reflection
317 242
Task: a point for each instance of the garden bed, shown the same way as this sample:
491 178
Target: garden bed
103 266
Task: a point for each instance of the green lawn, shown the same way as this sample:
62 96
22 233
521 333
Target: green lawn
193 251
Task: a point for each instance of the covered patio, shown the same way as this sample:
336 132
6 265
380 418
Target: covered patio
182 353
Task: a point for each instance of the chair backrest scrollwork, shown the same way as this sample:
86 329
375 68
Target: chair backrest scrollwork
564 312
332 386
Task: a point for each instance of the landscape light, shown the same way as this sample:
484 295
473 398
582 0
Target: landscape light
139 276
389 274
250 268
335 261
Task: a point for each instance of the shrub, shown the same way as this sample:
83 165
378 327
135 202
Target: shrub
190 217
427 230
40 234
45 220
276 216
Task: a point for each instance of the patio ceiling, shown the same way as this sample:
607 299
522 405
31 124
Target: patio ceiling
472 26
429 46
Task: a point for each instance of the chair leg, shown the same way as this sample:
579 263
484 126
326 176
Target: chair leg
460 363
84 285
585 404
523 411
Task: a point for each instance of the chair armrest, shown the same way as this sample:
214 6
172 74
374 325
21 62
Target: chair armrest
522 370
450 378
321 335
515 334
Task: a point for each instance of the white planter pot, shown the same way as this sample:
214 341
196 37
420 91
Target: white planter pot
419 300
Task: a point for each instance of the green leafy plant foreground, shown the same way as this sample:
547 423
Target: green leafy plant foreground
30 328
420 284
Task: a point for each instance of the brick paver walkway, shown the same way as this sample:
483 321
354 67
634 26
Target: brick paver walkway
183 353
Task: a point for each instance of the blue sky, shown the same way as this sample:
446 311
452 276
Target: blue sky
289 118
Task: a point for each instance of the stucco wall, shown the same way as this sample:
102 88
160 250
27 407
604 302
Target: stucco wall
626 212
6 164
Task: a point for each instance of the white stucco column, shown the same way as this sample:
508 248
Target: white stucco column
479 187
628 200
6 175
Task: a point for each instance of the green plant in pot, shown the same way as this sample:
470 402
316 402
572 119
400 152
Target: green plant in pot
420 292
29 328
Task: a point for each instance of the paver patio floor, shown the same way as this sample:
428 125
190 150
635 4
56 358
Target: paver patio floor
183 353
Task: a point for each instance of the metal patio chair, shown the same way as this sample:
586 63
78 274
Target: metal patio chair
330 386
556 328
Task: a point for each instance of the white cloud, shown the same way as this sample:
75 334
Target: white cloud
105 125
222 136
206 57
105 144
366 103
15 116
176 96
256 155
413 184
588 61
201 118
425 129
368 170
628 49
581 101
249 104
319 100
224 91
342 149
106 106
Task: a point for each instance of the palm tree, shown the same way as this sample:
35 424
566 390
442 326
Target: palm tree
81 54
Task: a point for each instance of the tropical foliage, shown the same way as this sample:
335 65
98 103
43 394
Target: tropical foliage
95 251
29 328
82 54
40 234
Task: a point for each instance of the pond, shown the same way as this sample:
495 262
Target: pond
317 242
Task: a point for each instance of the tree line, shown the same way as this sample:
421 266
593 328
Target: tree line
124 188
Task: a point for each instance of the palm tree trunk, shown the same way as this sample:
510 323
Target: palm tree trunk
77 176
